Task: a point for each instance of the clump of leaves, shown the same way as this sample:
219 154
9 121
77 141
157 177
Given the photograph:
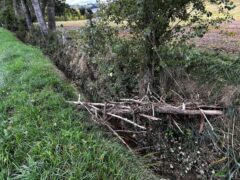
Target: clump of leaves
158 22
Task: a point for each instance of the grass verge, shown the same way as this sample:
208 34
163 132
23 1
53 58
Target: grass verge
41 136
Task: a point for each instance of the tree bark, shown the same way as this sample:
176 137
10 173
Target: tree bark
51 15
27 14
146 81
39 15
44 5
15 8
3 4
151 42
147 66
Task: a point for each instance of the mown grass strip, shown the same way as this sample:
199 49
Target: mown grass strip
41 136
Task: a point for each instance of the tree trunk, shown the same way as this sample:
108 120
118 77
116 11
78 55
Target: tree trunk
147 66
15 7
3 4
27 14
39 15
51 15
147 71
44 5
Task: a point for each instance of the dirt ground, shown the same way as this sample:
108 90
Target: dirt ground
226 38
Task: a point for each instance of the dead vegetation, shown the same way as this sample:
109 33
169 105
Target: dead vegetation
188 140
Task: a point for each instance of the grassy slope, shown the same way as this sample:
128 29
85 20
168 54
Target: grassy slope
41 137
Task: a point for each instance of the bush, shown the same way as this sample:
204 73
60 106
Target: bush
7 19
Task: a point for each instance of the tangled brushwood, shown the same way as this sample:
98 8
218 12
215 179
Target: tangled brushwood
186 140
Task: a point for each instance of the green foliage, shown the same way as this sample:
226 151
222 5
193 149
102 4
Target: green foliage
43 137
166 20
118 60
208 66
115 61
213 70
9 21
156 23
65 13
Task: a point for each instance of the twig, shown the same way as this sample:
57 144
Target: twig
133 100
204 115
119 137
134 132
127 120
104 112
150 117
176 124
153 111
201 125
178 95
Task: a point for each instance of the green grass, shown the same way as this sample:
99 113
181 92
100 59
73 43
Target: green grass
41 136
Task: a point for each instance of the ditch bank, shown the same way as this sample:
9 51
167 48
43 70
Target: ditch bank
176 146
42 136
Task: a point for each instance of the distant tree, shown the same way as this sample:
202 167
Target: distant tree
27 14
8 18
15 7
44 4
156 22
89 11
51 15
60 7
82 11
3 4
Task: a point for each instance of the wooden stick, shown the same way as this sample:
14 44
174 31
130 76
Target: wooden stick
119 137
201 124
119 105
134 101
204 115
133 132
159 109
150 117
169 110
127 120
173 110
176 124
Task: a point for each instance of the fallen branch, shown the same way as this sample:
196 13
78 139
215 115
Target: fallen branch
127 120
141 110
150 117
119 137
144 108
174 110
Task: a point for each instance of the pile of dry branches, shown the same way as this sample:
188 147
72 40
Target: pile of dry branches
135 118
146 110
